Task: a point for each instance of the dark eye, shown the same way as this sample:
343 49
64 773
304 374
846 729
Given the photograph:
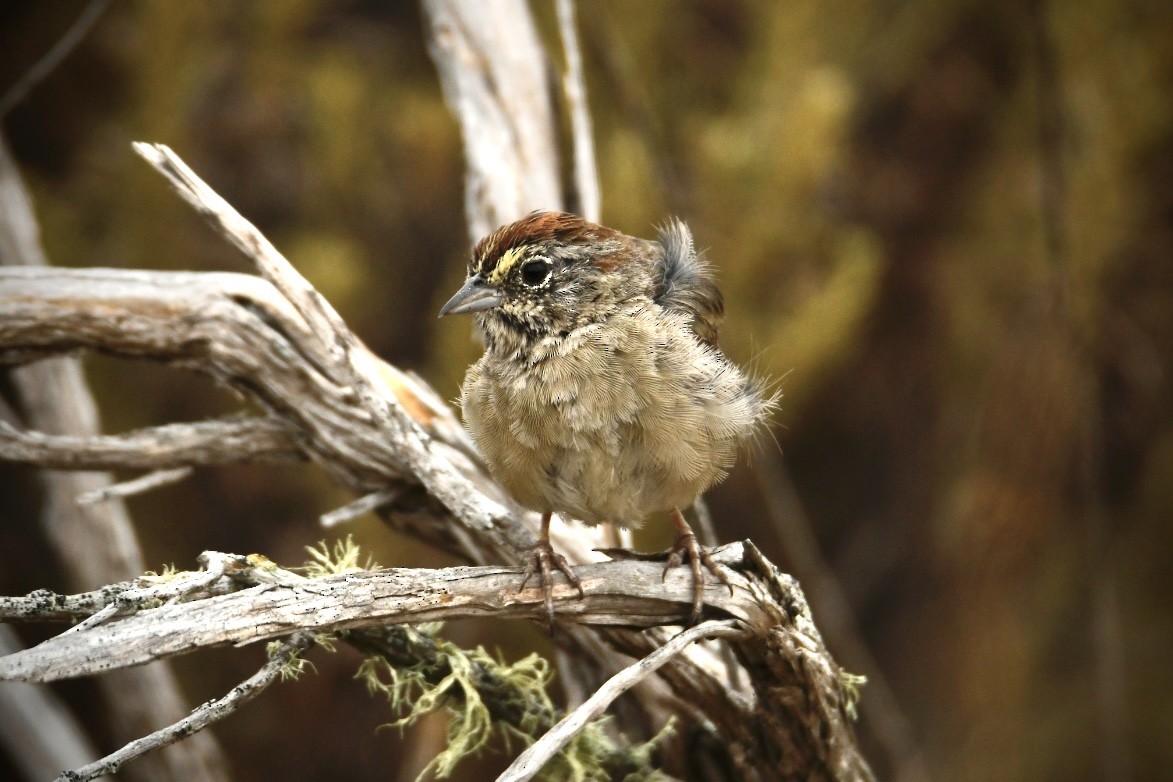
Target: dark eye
535 272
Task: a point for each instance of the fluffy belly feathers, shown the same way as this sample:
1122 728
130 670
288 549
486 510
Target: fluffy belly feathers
566 417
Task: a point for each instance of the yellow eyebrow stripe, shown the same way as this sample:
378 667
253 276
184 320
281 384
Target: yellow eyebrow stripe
509 259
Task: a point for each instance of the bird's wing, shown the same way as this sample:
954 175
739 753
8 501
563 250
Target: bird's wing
686 283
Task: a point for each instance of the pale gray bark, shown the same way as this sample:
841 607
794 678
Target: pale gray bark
493 68
95 543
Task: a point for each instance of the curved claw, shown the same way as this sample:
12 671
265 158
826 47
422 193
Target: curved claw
687 547
542 561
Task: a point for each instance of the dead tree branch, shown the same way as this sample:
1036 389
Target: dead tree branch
781 712
492 67
96 543
788 718
239 600
223 441
201 717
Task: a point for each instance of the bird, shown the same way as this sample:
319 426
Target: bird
602 394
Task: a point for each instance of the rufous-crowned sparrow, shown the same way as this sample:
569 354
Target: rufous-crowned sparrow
602 395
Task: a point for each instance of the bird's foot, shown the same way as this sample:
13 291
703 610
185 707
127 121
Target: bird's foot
687 548
543 559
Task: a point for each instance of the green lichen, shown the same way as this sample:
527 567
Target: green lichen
169 573
294 667
344 557
487 698
851 683
489 703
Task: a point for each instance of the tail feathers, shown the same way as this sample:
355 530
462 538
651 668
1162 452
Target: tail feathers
686 282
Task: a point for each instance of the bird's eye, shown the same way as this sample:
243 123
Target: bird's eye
535 272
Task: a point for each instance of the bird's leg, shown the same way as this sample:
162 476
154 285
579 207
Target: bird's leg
686 547
541 558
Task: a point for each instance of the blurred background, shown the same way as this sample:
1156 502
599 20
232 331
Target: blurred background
943 227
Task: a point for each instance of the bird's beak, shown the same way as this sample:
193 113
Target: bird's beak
476 296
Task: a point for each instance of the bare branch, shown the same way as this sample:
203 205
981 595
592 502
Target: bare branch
790 715
140 485
529 763
586 177
499 93
223 441
320 318
40 735
96 543
234 327
45 606
362 505
202 716
240 330
624 593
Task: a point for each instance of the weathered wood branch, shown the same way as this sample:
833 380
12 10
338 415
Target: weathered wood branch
274 603
782 713
492 67
96 544
527 765
201 717
223 441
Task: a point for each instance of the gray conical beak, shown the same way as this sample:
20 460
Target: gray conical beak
476 296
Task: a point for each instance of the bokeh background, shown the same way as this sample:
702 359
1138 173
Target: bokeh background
943 227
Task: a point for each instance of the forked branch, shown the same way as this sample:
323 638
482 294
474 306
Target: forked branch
782 712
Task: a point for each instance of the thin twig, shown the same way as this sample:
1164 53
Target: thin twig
362 505
48 63
93 620
530 762
140 485
202 716
37 731
586 177
169 591
321 318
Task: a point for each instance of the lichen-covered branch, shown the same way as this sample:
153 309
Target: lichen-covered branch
186 612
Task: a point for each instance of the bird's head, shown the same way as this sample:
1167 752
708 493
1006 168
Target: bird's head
547 274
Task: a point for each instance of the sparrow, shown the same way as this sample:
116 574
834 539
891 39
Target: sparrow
602 394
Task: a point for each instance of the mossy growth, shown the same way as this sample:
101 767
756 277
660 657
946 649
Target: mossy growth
851 683
343 557
520 710
489 703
